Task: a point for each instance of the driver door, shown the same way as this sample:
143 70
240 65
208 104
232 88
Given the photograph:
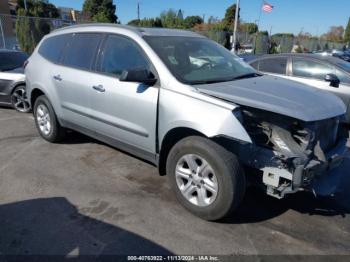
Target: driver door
124 111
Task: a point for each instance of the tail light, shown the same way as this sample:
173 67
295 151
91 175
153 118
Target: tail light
25 64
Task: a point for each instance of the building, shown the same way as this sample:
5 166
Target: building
68 14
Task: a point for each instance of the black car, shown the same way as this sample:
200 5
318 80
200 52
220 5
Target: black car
12 80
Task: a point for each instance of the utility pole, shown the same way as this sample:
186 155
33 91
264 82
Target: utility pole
235 28
2 34
138 11
25 5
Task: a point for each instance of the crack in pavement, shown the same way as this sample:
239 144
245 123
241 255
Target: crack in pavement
19 153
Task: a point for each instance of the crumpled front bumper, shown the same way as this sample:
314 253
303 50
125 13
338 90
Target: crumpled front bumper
337 170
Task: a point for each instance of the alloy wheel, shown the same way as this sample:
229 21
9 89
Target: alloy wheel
43 119
19 100
196 180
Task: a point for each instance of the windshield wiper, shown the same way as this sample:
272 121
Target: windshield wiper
249 75
204 82
208 82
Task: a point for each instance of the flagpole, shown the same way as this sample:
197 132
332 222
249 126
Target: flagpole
235 28
256 34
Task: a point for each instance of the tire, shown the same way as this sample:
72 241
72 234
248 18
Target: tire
19 99
211 157
46 121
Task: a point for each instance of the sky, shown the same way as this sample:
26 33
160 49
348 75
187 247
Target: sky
288 16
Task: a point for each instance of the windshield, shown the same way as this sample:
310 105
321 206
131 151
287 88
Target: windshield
194 60
12 60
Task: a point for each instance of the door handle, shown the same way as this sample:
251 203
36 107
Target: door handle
99 88
57 78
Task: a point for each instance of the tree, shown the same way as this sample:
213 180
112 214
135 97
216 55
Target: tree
102 11
347 33
191 21
170 19
250 28
335 34
39 8
230 17
146 22
31 30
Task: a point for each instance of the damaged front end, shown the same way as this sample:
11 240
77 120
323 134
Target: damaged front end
290 153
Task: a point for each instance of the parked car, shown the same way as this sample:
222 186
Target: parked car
344 55
203 124
12 80
324 72
246 49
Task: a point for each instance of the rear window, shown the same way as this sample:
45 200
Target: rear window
82 50
52 48
12 60
274 65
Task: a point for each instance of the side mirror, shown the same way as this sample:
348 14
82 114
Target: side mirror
333 79
143 76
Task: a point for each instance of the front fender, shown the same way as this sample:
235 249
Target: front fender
209 116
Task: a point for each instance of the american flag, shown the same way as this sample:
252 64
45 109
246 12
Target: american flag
267 7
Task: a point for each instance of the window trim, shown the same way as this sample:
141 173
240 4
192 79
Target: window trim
313 60
272 58
97 64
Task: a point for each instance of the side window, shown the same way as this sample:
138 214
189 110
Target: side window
119 54
52 48
276 65
344 78
82 50
311 69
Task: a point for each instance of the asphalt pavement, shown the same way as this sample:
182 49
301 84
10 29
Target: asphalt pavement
82 197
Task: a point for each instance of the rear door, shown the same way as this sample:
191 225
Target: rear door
74 76
124 111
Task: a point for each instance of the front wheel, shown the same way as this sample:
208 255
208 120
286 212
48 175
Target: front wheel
207 179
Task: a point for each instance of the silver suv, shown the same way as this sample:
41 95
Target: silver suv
205 118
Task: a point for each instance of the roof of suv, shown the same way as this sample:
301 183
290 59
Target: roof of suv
142 31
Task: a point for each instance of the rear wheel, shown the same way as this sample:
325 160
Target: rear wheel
19 99
46 121
207 179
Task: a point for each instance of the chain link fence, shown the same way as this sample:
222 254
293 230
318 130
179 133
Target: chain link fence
23 32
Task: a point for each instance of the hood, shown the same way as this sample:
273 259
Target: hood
280 96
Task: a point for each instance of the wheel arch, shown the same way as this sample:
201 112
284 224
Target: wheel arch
17 84
170 139
176 134
36 92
